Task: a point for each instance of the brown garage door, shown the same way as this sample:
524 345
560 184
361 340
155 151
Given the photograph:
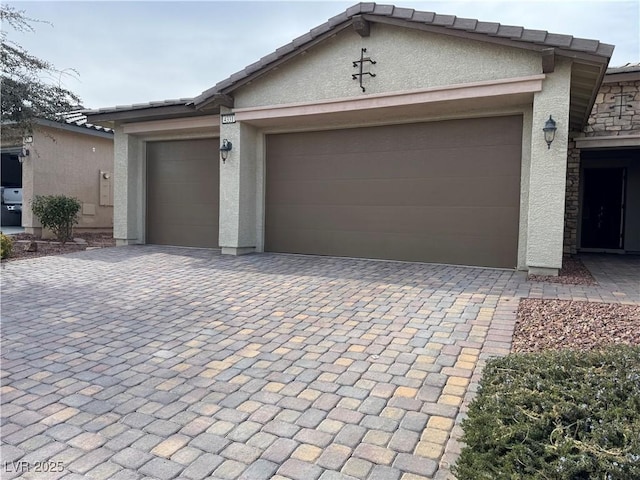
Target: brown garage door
443 192
182 193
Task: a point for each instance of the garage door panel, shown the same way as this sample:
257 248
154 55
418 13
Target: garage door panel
410 220
462 250
175 237
180 169
478 191
183 193
392 138
443 162
442 192
180 193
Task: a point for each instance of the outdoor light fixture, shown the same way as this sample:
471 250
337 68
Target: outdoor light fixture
24 153
549 131
225 148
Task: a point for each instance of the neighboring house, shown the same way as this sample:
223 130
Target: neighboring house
66 157
427 146
603 175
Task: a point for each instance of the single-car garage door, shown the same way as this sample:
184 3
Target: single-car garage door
445 192
183 193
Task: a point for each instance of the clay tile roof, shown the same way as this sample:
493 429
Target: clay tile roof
628 68
510 31
557 40
515 35
423 17
468 24
386 10
444 20
489 28
79 119
534 36
406 13
140 106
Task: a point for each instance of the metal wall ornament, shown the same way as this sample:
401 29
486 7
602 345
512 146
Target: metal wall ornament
620 99
360 65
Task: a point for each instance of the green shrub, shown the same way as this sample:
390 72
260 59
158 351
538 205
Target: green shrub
6 245
555 415
58 213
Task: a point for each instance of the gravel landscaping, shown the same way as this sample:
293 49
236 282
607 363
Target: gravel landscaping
573 272
23 243
563 324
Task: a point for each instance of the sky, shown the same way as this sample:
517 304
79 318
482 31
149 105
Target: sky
135 52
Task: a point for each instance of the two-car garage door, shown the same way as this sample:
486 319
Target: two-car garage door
444 192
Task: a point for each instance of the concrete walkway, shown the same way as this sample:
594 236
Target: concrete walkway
151 362
11 230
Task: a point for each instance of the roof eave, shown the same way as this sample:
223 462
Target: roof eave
143 114
70 127
227 88
209 102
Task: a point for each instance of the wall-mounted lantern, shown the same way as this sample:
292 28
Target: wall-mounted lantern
549 131
24 153
225 148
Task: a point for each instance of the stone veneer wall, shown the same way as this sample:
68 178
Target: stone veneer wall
603 122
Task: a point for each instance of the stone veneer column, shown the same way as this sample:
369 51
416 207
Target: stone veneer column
548 174
238 189
572 200
128 201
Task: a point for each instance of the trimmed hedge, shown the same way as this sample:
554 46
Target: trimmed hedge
6 245
555 415
58 213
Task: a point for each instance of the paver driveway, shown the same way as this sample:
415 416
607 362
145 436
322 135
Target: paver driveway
165 362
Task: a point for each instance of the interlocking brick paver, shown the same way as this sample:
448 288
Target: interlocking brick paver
229 470
186 455
259 470
299 470
265 366
203 466
357 467
415 464
208 442
131 458
91 460
334 457
383 472
161 468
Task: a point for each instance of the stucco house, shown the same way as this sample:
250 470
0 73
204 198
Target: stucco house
383 133
65 157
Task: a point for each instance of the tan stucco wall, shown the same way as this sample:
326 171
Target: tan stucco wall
406 59
61 162
129 192
547 174
238 207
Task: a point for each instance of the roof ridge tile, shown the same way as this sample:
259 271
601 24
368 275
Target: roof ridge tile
403 13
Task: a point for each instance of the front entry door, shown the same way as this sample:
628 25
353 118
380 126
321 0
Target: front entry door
603 208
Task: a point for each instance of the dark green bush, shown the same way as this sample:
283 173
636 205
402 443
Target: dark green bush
59 213
556 415
6 245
